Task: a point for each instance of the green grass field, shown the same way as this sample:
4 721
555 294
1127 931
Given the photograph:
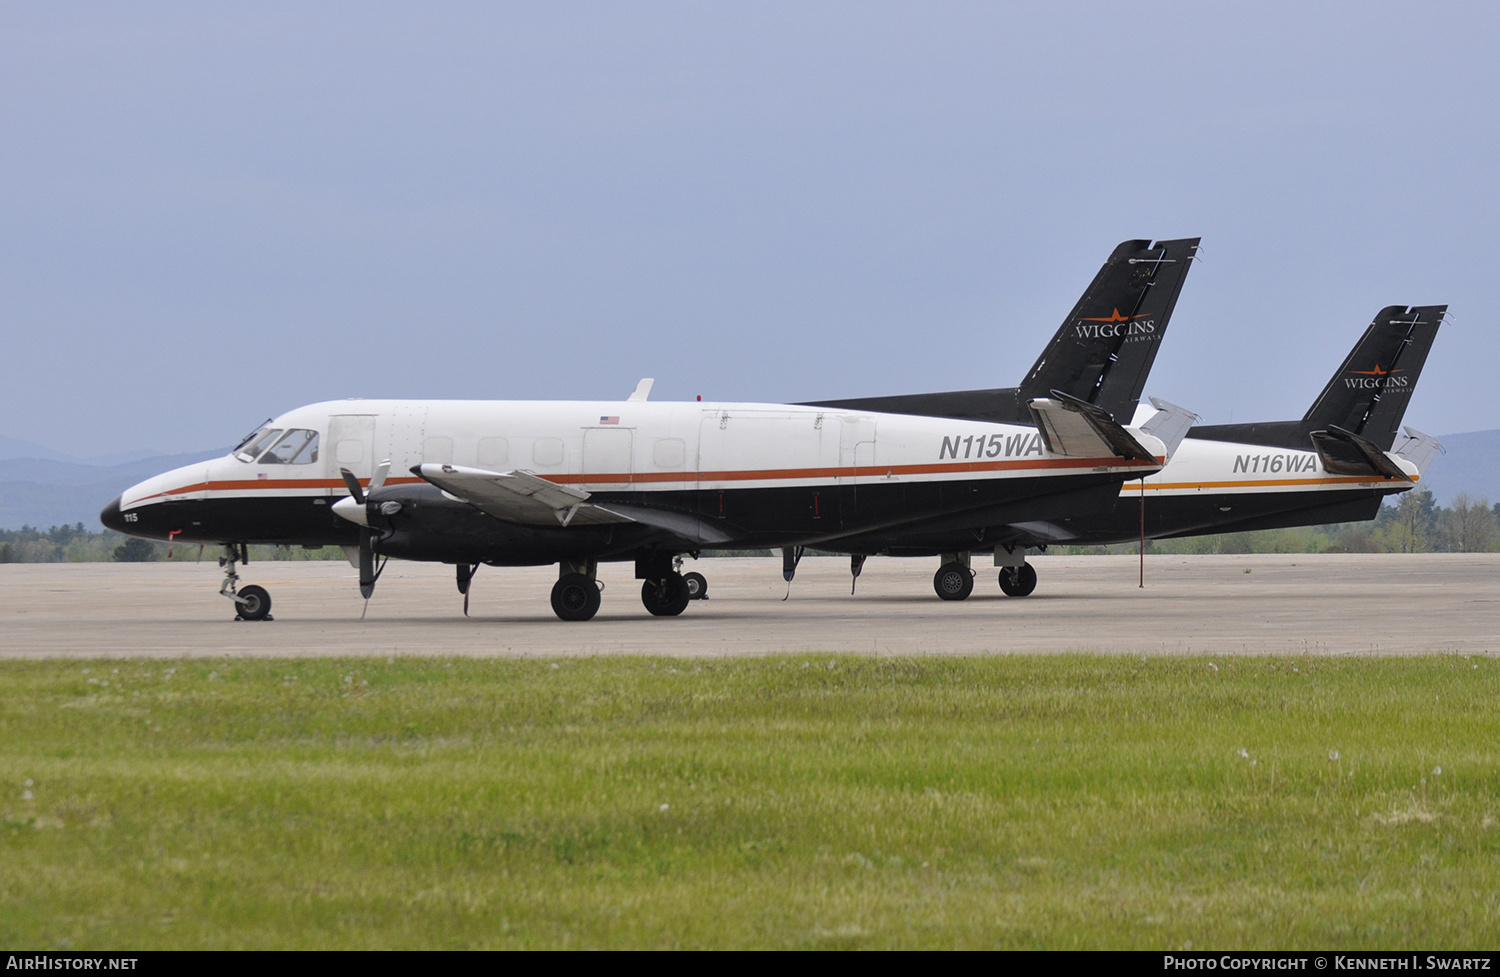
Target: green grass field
1069 801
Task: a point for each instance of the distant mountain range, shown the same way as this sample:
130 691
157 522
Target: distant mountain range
43 488
1469 463
52 489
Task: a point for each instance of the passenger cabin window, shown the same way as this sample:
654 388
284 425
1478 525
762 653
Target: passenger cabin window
669 453
298 446
547 452
493 452
257 443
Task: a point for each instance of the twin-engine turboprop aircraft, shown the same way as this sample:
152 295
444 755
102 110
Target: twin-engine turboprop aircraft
1337 464
509 483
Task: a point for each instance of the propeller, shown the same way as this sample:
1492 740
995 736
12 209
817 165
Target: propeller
367 572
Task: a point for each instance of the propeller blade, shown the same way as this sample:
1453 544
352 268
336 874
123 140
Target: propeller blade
366 563
355 492
382 471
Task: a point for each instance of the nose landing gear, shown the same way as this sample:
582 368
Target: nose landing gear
251 603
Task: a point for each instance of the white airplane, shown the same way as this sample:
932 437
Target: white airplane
509 483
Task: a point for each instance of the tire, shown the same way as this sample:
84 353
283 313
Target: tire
953 581
667 597
1018 581
575 597
254 604
697 585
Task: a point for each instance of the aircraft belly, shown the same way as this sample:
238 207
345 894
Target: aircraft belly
1208 512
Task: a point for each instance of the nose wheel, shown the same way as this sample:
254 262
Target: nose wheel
251 603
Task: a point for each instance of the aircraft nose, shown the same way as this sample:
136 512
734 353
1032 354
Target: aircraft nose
111 517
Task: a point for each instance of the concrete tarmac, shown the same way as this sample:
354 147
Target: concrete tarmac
1281 604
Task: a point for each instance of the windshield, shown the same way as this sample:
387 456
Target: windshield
298 446
252 435
256 443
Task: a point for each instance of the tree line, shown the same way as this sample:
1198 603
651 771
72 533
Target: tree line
1415 524
75 544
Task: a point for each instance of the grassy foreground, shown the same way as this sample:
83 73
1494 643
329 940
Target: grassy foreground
780 802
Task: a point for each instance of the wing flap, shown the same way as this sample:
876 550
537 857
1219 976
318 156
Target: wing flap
519 496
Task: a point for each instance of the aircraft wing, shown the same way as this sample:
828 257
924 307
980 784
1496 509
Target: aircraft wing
519 496
1079 429
1346 453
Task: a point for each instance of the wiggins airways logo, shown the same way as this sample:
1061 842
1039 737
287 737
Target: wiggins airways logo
1115 326
1377 379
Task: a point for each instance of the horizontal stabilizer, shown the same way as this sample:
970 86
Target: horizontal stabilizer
1417 448
1076 428
518 496
1169 424
1346 453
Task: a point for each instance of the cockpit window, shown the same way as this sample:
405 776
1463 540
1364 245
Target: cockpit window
252 435
257 443
298 446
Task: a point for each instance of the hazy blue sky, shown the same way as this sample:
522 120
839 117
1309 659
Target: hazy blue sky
216 212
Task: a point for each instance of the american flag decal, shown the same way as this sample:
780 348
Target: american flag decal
611 419
260 475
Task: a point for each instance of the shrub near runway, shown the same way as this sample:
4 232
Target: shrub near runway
779 802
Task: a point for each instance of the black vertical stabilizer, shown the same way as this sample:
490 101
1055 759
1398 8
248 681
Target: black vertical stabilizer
1106 345
1101 354
1368 394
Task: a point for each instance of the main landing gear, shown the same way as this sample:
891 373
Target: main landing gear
665 590
251 603
575 596
955 579
1018 581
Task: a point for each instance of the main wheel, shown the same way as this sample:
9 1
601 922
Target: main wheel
666 597
575 597
697 585
1018 581
953 581
254 603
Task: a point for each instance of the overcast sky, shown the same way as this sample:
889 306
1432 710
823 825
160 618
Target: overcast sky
216 212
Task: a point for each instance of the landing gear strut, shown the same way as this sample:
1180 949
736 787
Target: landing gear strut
251 603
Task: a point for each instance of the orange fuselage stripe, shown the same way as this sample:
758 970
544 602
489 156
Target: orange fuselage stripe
1256 483
772 474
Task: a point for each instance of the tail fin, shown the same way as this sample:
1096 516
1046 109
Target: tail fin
1369 393
1100 355
1106 345
1366 397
